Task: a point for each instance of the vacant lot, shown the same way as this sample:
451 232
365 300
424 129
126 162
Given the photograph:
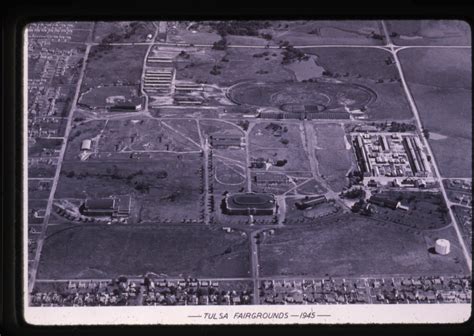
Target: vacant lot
122 31
353 246
373 70
441 85
233 65
114 65
333 154
98 251
368 63
326 32
430 32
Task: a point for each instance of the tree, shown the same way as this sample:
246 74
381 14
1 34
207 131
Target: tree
426 133
220 45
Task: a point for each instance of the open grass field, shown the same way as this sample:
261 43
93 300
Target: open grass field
430 32
333 154
234 65
371 69
165 190
326 32
114 65
355 246
101 251
441 85
311 188
368 63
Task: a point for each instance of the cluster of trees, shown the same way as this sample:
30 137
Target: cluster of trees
244 124
354 193
128 32
401 127
184 54
241 28
355 177
290 54
220 45
216 70
262 54
361 207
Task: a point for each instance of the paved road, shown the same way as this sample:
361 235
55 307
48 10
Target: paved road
413 107
40 241
205 148
184 45
254 264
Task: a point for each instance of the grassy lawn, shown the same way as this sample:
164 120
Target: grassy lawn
355 246
114 65
334 159
97 251
430 32
440 81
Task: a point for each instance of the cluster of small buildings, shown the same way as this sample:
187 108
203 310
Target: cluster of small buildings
192 292
310 291
434 289
124 292
382 154
90 293
48 32
460 191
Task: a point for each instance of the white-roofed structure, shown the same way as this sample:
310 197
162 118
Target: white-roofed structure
442 246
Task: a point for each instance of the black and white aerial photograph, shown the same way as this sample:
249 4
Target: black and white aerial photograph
214 165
